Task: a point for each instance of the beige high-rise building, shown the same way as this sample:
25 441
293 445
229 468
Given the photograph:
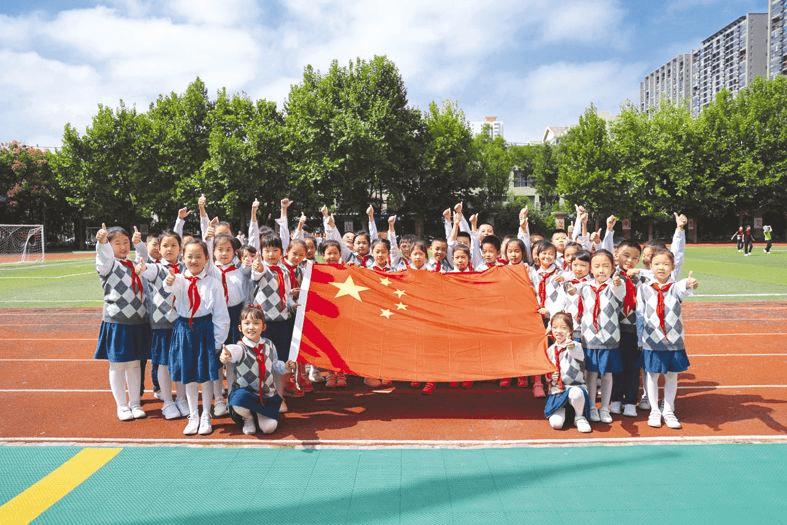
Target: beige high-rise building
777 38
671 82
730 58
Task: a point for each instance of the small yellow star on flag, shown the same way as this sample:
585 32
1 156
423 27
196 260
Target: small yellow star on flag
385 281
401 306
400 293
349 287
386 313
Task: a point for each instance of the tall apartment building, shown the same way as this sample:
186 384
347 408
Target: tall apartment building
777 38
495 127
671 82
730 58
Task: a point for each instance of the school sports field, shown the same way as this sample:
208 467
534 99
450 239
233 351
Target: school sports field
484 455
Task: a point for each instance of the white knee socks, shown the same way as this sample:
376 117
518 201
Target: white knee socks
165 383
652 388
592 384
577 399
122 377
207 397
670 391
557 419
606 390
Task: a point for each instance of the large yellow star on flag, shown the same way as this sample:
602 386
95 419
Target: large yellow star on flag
349 287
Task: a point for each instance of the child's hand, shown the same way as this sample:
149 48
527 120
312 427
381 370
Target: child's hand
225 356
616 280
691 282
523 218
584 218
183 213
285 203
301 221
136 238
331 221
102 234
324 211
474 221
458 208
370 212
257 266
140 268
560 279
543 311
291 366
611 221
170 280
580 209
295 292
211 231
457 218
447 214
633 272
595 237
680 221
201 205
391 222
254 207
571 289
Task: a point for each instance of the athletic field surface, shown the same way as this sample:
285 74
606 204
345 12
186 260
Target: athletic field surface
358 455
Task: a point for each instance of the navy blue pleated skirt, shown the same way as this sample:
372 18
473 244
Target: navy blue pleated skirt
556 401
120 343
192 356
663 361
160 341
603 361
246 398
234 334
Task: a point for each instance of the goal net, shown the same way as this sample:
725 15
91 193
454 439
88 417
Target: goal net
21 243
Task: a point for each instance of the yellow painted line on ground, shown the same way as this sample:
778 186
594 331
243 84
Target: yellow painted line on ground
28 505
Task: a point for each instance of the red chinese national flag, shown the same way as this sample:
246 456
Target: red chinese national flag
419 325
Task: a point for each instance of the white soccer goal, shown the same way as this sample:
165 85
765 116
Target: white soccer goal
21 243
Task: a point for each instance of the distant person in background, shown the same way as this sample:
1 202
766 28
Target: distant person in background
748 241
738 236
767 234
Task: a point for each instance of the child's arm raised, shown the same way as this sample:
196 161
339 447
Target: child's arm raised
678 246
203 215
298 233
140 248
609 238
254 228
524 234
105 257
396 254
372 225
284 229
180 221
464 226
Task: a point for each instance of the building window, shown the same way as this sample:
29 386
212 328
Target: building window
521 180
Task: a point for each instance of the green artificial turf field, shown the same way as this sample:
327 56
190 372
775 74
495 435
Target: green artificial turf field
723 274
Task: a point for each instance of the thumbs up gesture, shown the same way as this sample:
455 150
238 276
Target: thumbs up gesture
616 279
170 280
101 235
225 356
691 282
137 237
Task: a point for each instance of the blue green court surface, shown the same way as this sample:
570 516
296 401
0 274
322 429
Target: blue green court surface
733 483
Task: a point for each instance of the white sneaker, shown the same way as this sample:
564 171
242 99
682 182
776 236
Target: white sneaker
605 416
124 413
671 420
614 407
630 410
654 419
644 403
192 426
314 374
220 409
137 412
205 425
267 425
157 395
594 415
582 425
183 407
170 410
249 428
283 407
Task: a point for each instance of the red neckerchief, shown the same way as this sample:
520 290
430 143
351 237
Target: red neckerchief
597 305
542 286
406 261
136 282
580 304
175 267
194 298
280 278
559 350
363 259
630 301
500 262
224 272
660 304
565 264
293 278
258 351
438 265
379 268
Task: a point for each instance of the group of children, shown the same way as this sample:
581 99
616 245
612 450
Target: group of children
205 309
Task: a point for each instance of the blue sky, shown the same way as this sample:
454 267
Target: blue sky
532 63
